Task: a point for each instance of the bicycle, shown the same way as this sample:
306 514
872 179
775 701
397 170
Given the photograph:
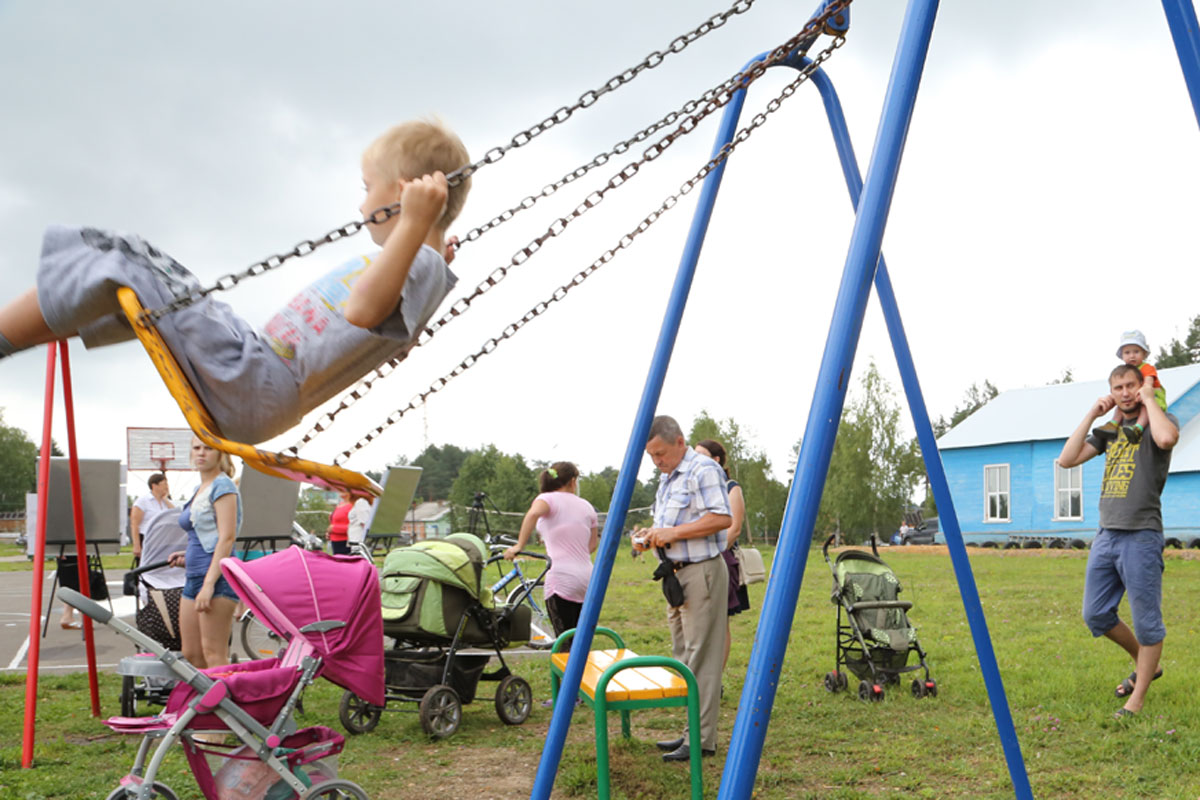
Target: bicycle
528 590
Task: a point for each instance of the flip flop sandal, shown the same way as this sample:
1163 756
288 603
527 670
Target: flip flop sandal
1126 687
1124 714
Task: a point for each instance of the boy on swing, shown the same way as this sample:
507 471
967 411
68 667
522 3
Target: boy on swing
258 384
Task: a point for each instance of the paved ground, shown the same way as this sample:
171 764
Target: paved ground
60 650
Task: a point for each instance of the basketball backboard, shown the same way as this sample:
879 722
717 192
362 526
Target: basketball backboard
159 449
103 506
268 505
399 486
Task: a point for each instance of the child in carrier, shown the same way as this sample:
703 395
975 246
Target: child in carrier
258 384
1134 352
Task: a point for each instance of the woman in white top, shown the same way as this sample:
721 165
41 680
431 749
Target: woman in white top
146 508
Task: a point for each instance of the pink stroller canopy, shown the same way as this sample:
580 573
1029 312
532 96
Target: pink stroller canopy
294 588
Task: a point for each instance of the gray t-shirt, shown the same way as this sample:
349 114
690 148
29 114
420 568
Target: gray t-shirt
325 352
1134 475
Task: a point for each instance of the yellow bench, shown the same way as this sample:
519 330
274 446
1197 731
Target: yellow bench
620 680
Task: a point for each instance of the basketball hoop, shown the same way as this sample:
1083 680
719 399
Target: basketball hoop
159 449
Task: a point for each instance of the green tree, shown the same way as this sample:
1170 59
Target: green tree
764 496
509 483
873 471
1180 354
439 467
975 398
18 467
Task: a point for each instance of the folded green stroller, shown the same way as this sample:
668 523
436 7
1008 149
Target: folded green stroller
874 638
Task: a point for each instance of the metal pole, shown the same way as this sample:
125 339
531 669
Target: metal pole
39 567
81 557
779 606
623 492
933 461
1181 19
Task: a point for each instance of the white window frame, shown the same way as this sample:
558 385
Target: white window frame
1006 491
1059 489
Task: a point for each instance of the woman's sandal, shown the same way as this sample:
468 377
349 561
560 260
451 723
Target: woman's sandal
1126 687
1124 714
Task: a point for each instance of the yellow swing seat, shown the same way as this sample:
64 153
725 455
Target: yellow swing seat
326 476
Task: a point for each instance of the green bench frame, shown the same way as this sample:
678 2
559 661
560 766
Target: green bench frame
601 705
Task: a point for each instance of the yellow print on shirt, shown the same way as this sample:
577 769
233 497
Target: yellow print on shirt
1118 468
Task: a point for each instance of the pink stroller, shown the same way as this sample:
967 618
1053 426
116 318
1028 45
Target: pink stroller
327 610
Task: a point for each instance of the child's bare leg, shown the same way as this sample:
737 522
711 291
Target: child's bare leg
1143 418
22 324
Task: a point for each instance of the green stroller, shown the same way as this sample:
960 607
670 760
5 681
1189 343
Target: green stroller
874 638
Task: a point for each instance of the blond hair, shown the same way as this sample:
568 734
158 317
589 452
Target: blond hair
421 147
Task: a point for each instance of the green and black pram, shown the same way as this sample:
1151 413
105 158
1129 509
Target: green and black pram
874 637
440 615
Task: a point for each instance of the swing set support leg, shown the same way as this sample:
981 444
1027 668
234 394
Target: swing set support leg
39 550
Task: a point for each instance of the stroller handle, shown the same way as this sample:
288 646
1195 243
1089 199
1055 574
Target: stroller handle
825 547
89 607
148 568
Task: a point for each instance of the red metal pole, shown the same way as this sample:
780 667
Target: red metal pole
39 568
81 558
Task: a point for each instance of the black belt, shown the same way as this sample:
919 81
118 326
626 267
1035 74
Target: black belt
678 565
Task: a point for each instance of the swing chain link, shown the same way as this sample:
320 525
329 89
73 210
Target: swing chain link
623 243
590 97
455 178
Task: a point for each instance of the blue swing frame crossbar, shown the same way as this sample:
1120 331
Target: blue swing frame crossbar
864 266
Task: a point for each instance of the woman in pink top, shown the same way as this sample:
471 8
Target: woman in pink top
567 524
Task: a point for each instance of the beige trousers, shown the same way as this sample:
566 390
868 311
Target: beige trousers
698 636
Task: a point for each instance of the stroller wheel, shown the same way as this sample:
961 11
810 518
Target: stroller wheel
918 688
336 789
834 681
931 687
157 790
514 700
357 715
870 691
441 711
128 697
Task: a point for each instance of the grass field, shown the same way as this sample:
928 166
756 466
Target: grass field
1059 683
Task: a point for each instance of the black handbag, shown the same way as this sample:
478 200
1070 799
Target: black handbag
671 587
129 585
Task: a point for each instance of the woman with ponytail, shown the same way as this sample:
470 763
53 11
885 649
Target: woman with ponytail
567 524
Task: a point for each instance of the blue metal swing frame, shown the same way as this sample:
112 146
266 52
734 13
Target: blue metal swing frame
864 266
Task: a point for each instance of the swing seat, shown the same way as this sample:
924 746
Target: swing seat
326 476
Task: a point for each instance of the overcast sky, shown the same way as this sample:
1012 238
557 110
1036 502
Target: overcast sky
1043 204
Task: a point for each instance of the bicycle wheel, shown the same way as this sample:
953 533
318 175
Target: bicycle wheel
541 632
258 641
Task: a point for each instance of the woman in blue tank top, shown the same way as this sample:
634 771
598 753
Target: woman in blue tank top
211 519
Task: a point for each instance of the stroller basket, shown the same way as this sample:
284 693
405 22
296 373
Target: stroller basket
412 672
234 772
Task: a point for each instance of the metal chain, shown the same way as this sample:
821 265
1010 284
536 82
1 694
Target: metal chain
380 215
623 243
720 96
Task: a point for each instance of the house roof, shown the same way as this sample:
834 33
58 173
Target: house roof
429 512
1052 412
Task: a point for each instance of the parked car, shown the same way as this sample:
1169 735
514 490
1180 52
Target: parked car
923 534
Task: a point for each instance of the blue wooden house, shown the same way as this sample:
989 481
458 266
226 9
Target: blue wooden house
1001 463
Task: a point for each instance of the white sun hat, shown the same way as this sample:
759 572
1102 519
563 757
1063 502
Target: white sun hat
1132 337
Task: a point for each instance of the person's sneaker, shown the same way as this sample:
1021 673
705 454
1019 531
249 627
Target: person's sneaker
547 704
1133 433
670 744
1106 432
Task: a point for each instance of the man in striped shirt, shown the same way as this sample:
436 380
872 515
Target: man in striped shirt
691 516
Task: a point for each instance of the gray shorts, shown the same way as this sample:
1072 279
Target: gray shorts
1123 562
248 390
